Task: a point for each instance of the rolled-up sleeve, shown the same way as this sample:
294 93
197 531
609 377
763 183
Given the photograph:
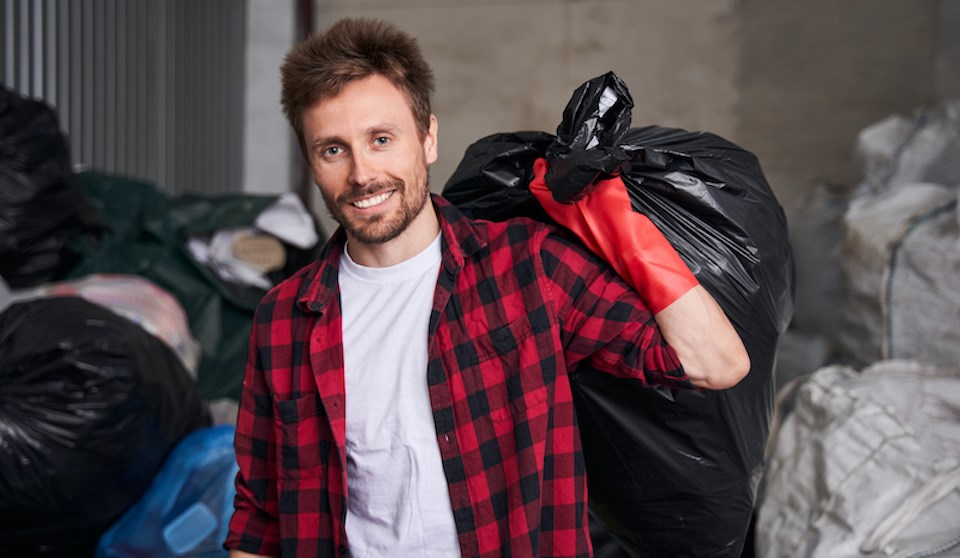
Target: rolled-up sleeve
603 321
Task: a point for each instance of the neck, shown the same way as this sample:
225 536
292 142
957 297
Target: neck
413 240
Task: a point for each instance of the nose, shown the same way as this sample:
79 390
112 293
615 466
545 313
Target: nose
362 170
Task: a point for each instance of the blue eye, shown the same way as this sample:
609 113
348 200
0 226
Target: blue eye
332 151
383 140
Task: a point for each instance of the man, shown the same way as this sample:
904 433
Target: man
407 394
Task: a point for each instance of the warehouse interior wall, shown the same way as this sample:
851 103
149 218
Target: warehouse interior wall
948 51
792 81
813 74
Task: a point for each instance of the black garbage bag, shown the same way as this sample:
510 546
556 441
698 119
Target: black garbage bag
90 405
669 473
41 208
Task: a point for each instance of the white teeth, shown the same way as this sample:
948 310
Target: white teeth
370 202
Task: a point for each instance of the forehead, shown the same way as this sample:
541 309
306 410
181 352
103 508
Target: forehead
373 100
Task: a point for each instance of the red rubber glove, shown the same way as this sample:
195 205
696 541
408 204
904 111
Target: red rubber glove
607 224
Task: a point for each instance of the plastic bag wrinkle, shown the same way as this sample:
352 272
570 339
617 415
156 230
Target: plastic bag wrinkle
588 145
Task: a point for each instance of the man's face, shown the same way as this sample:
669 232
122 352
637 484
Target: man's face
368 159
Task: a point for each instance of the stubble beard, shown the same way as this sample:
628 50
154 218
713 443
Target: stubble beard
382 228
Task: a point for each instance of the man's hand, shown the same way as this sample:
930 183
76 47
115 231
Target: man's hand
692 322
242 554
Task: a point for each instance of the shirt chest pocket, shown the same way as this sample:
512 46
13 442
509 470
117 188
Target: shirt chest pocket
304 436
513 373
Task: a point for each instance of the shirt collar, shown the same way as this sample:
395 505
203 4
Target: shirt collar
460 241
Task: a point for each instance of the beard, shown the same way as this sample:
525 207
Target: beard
382 227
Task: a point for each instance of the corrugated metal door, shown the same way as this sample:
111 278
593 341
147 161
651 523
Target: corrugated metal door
151 89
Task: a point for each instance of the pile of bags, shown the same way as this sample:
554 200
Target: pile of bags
866 462
123 314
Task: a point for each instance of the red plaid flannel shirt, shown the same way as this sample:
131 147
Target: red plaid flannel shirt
516 309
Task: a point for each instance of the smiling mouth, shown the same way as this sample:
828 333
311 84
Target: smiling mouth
372 201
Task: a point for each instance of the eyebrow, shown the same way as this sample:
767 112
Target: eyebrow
326 140
384 128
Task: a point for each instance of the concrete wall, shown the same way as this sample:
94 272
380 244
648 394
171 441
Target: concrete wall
814 73
267 138
792 81
948 51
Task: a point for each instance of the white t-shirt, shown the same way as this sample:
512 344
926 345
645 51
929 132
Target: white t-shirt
398 501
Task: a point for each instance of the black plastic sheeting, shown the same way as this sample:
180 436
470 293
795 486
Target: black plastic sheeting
669 473
90 405
41 208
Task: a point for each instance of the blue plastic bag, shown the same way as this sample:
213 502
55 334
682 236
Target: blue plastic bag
187 509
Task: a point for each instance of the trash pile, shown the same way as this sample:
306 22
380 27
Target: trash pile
124 319
91 405
864 459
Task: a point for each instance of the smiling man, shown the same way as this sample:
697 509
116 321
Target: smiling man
407 394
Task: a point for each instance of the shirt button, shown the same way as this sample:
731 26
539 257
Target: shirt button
343 550
446 438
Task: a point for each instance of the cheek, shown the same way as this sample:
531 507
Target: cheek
416 164
327 192
327 178
315 170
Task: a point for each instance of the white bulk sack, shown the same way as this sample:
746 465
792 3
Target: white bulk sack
900 259
866 465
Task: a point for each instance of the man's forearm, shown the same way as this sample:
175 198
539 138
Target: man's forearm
241 554
711 351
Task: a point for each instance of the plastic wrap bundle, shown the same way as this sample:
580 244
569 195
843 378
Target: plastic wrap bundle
135 298
670 474
90 405
187 509
866 465
40 206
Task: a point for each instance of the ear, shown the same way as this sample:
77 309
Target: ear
430 141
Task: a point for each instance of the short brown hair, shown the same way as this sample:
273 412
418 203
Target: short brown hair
351 49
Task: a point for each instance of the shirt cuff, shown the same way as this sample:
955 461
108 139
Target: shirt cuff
252 533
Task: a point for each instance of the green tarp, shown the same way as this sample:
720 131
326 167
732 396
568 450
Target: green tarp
147 237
